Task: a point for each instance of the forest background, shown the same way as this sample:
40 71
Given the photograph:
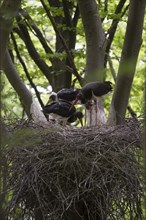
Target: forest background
55 44
41 58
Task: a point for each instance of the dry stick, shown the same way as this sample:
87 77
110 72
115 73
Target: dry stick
133 114
96 155
26 71
69 55
113 72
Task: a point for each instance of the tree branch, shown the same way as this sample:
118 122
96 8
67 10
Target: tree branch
26 71
113 72
37 33
76 16
24 34
31 107
112 29
8 11
55 61
66 13
69 55
16 82
105 5
105 9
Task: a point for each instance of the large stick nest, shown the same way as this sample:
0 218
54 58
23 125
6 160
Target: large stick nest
80 172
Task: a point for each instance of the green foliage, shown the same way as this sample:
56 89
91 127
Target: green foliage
25 137
11 107
11 104
29 136
57 11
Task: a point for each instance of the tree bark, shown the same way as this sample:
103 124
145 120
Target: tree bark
95 40
130 51
8 11
31 107
144 137
95 52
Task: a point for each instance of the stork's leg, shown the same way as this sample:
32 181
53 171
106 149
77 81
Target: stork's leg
85 116
96 109
64 122
90 115
100 114
89 107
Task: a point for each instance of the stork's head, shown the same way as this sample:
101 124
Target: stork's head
109 84
52 98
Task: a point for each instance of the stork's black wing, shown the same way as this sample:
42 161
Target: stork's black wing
61 108
68 94
78 114
96 88
102 88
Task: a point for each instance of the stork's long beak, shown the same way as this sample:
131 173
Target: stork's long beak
49 101
74 103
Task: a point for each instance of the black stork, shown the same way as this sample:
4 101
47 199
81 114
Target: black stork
93 90
78 115
61 111
52 98
89 95
68 94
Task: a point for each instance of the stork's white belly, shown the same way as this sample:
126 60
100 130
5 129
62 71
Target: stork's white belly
58 118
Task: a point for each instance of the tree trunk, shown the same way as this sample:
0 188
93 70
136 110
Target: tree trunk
65 42
95 40
31 107
95 52
131 47
8 11
145 142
